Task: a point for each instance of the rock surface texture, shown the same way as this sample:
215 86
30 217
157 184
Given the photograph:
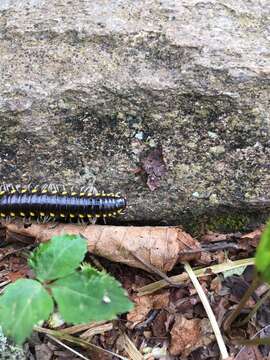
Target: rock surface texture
89 88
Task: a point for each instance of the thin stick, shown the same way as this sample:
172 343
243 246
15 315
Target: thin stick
254 285
209 311
253 342
155 270
207 271
74 340
254 310
67 347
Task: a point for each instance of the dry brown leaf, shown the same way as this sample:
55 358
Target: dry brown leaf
154 166
159 324
213 237
161 300
251 239
253 235
188 335
143 304
13 276
160 247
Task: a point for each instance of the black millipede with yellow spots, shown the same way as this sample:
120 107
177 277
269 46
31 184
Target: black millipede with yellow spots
38 203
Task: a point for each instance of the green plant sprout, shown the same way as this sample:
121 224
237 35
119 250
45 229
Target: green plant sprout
80 293
262 274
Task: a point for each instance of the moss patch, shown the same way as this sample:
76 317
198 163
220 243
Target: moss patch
228 223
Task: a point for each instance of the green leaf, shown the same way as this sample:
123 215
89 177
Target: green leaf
22 306
262 259
59 257
89 295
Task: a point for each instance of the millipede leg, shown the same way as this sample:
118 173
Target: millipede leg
7 187
44 187
17 187
47 219
91 189
62 188
52 188
56 188
30 187
27 221
54 225
43 219
93 220
3 219
9 219
84 189
82 222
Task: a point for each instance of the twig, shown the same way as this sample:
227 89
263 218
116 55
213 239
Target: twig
211 247
255 283
74 340
155 270
209 270
13 252
253 342
254 310
209 311
67 347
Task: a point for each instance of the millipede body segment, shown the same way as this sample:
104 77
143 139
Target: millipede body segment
34 202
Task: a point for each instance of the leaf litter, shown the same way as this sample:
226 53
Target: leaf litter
169 322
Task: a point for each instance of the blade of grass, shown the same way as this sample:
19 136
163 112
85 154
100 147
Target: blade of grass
209 270
74 340
81 327
130 348
101 329
67 347
209 311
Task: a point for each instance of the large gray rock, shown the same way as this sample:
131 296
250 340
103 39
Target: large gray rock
88 87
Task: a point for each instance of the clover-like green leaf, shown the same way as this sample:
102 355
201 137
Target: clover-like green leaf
262 260
22 306
58 257
89 295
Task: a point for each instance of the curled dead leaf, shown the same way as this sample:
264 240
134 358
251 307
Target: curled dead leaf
160 247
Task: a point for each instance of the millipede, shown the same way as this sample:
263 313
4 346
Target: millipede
52 202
